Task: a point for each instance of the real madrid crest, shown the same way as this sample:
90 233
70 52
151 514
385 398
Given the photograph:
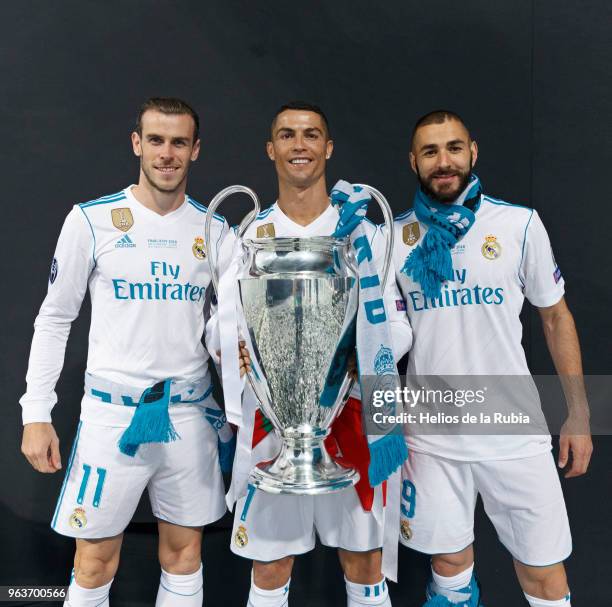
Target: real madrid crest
405 529
77 519
198 248
411 233
122 219
491 249
266 231
241 539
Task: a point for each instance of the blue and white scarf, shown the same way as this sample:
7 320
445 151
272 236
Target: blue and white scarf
430 264
372 338
151 421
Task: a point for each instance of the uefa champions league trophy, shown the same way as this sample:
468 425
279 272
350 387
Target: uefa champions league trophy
300 298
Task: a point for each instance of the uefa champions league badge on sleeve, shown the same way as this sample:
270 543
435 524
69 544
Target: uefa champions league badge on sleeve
491 249
122 219
241 539
411 233
77 519
198 248
53 271
557 272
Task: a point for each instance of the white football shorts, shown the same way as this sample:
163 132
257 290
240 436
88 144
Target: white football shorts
522 498
102 486
268 527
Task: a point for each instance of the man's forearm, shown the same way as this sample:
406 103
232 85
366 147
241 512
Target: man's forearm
563 344
44 368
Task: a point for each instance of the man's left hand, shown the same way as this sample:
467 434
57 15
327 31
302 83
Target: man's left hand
579 445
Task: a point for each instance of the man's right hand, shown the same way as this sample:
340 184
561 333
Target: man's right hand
40 445
245 358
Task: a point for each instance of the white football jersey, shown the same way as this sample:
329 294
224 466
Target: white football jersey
473 328
147 275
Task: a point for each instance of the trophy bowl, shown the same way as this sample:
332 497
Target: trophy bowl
299 298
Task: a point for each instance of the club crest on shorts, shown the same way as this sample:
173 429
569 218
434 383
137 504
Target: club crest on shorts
198 248
491 249
77 519
122 219
411 233
405 529
266 231
241 539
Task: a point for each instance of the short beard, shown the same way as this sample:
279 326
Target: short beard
158 187
445 198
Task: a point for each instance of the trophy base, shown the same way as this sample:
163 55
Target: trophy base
303 467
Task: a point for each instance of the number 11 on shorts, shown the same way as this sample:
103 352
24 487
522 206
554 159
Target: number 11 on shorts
101 472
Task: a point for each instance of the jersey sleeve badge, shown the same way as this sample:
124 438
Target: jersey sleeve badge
557 272
53 271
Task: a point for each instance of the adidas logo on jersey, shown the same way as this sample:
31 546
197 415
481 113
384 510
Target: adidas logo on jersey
125 242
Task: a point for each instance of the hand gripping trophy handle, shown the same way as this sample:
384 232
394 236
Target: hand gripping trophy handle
242 228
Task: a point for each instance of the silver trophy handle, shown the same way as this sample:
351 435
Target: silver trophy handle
388 216
244 224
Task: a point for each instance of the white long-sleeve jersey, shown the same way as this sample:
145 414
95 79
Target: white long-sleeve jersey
147 276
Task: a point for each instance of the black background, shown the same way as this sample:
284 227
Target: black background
530 78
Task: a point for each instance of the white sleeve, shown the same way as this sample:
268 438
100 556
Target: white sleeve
72 264
399 325
542 282
212 339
